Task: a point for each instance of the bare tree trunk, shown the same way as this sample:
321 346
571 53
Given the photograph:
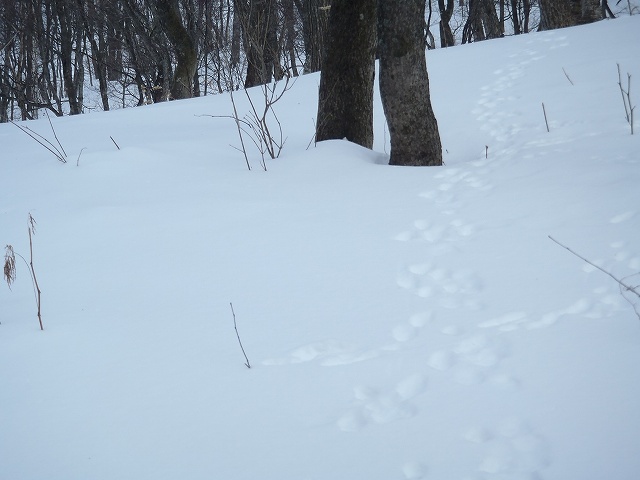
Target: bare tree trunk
526 7
515 19
260 40
185 50
483 22
591 11
446 35
567 13
490 20
345 104
404 85
315 19
98 53
289 14
64 14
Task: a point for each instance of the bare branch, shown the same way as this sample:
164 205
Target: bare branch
624 286
235 326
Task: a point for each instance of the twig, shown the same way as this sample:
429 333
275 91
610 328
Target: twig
114 142
42 141
247 364
545 116
237 120
626 98
79 155
10 267
32 231
567 75
9 41
622 92
313 137
54 133
628 288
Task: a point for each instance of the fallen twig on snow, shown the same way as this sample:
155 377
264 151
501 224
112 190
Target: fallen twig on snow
247 364
624 287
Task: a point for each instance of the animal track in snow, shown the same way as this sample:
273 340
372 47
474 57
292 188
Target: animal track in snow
515 320
512 450
424 230
497 108
373 406
622 217
406 331
625 265
472 361
328 353
452 289
447 192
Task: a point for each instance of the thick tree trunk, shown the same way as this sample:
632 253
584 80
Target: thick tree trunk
490 20
483 22
345 104
591 11
258 20
185 50
315 18
404 84
567 13
515 18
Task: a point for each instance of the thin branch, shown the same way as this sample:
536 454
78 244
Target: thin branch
621 282
247 364
567 75
544 110
79 155
114 142
626 98
313 137
9 42
54 133
32 231
627 287
42 141
235 117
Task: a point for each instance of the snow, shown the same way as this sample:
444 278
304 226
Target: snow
401 323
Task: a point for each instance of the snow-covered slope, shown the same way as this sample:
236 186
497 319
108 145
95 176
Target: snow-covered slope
401 323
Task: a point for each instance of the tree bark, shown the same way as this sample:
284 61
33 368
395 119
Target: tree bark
345 104
404 85
64 15
315 18
258 20
567 13
446 12
185 50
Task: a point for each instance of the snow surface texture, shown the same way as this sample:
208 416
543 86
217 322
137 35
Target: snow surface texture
402 323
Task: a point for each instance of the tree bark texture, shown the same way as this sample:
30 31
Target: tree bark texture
185 50
345 104
404 84
446 12
482 23
315 18
259 22
567 13
66 55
